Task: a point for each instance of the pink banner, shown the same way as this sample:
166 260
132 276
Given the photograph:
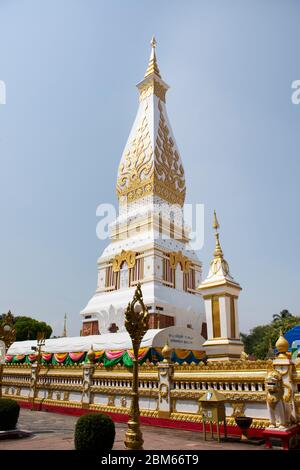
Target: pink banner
76 356
113 354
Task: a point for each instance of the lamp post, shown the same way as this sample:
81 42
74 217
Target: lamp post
40 343
136 323
7 338
7 330
2 362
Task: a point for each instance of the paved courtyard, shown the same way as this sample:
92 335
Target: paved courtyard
52 431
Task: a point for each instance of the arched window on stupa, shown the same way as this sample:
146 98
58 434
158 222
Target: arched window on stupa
124 276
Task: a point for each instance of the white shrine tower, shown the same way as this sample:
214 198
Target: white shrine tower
149 242
220 293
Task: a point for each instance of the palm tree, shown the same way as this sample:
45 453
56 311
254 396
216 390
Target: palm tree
283 314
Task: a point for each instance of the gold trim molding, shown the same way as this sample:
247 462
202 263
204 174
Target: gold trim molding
225 365
197 418
230 396
152 87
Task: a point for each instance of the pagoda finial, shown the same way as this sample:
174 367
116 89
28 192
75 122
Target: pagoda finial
216 224
64 335
153 42
152 66
218 253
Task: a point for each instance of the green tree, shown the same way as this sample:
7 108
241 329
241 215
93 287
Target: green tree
28 328
258 342
280 316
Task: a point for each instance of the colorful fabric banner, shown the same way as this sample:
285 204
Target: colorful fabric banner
46 357
109 358
77 356
60 357
111 355
142 352
32 357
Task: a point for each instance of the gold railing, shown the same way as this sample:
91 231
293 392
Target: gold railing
241 382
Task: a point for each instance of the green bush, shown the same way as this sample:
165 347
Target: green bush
94 431
9 414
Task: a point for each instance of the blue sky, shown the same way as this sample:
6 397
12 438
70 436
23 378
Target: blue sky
70 70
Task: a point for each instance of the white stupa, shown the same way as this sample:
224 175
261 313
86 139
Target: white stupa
149 242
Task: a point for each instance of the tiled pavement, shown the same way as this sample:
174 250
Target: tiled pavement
54 431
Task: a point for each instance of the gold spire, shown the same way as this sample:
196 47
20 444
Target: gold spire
216 224
218 265
218 253
152 66
65 327
151 163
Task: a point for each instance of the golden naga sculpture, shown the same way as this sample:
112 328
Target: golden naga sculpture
244 356
136 318
136 323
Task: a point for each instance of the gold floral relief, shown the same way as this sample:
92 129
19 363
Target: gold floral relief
168 167
217 264
138 165
128 256
178 257
152 87
157 171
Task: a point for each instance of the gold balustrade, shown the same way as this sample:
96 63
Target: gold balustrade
110 388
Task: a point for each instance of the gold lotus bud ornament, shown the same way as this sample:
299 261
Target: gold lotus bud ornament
91 355
282 345
166 352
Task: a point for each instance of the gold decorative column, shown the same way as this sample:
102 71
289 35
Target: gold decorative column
35 368
88 372
136 323
165 377
8 336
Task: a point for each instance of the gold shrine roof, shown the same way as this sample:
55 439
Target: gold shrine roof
219 273
151 164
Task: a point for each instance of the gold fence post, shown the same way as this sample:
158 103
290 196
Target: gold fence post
8 337
37 366
1 376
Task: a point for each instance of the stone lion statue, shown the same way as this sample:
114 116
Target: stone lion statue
279 400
